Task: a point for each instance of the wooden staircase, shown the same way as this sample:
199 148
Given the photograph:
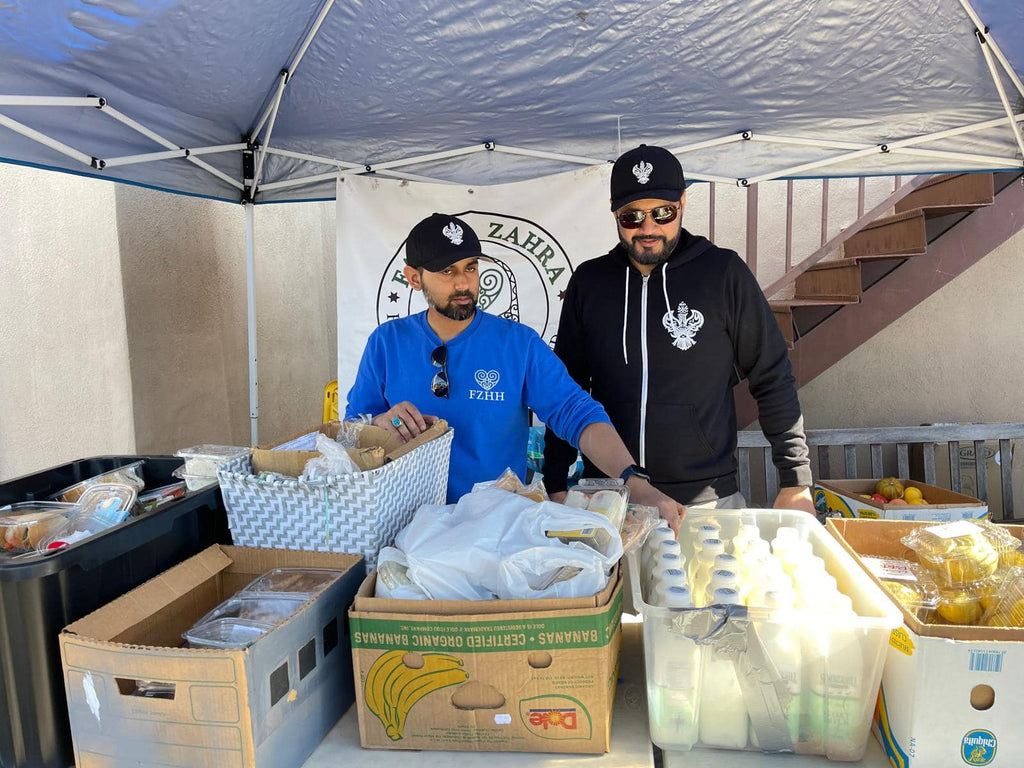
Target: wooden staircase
888 265
878 248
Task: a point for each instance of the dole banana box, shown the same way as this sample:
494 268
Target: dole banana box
265 706
496 675
846 498
951 696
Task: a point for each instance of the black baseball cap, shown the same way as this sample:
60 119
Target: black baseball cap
646 172
439 241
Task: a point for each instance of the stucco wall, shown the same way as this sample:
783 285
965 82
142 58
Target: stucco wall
123 319
65 388
956 357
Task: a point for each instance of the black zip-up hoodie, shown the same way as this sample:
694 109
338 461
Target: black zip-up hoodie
663 353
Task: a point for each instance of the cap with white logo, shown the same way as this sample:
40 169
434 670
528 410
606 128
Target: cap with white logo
439 241
646 172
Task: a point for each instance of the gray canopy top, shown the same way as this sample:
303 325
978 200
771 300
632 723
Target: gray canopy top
266 101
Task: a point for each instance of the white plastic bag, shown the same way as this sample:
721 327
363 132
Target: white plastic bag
494 543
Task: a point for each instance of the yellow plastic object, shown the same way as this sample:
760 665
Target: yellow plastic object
331 402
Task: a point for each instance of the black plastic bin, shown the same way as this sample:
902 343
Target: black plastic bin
40 596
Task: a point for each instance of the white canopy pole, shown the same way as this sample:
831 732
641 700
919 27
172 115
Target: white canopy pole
165 143
250 294
996 50
986 48
46 141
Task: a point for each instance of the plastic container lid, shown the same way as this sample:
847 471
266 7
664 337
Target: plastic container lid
100 507
25 524
226 633
207 459
262 608
292 581
194 482
150 501
129 474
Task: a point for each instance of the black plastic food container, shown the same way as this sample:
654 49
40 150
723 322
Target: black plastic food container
39 596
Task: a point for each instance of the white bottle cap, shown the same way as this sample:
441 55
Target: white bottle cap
725 596
668 545
675 597
706 523
727 562
722 577
713 547
779 599
658 535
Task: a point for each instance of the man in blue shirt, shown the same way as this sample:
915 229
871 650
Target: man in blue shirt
480 373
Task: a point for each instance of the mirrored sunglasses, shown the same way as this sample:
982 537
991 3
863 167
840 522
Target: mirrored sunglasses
663 214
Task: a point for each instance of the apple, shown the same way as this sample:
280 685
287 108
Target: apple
879 498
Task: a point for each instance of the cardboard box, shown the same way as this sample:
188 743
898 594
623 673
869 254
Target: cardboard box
845 498
376 448
265 706
514 676
950 695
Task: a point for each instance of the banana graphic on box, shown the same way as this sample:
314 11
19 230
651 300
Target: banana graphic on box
392 688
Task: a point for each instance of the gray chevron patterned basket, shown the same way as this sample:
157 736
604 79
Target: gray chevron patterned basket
357 513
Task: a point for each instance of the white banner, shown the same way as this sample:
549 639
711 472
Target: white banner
534 233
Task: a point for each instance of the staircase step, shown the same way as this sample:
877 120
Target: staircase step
900 235
784 317
830 282
952 193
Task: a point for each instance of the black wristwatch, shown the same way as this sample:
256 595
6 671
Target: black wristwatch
635 470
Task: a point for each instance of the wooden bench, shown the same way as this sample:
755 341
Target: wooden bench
879 452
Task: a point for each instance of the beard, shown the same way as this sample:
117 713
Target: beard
450 309
649 254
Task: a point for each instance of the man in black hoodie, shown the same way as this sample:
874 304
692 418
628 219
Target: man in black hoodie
659 330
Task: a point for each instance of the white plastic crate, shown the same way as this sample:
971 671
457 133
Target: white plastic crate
803 681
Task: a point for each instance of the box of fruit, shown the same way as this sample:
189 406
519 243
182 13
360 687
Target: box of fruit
894 499
950 694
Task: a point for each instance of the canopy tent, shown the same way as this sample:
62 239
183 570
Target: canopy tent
257 100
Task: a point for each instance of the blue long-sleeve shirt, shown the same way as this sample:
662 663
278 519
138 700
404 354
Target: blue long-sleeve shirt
497 369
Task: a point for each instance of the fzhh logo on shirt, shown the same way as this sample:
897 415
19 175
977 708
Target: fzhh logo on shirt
487 380
978 747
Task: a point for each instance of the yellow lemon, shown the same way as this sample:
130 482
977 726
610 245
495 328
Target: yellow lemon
917 501
911 493
959 607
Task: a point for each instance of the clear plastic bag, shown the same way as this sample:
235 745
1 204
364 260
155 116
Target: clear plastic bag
332 461
509 481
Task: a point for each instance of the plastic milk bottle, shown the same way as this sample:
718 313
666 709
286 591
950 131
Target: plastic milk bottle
781 638
675 681
723 715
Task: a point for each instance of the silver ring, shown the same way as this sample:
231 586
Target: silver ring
397 421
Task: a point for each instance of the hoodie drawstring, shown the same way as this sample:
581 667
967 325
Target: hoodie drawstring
664 287
625 319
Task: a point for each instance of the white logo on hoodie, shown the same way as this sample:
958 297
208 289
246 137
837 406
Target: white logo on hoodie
683 325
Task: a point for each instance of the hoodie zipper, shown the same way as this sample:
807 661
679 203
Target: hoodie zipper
643 372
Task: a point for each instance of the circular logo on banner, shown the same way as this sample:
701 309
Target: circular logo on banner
522 277
978 747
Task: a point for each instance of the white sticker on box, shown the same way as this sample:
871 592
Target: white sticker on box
953 530
889 570
502 719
